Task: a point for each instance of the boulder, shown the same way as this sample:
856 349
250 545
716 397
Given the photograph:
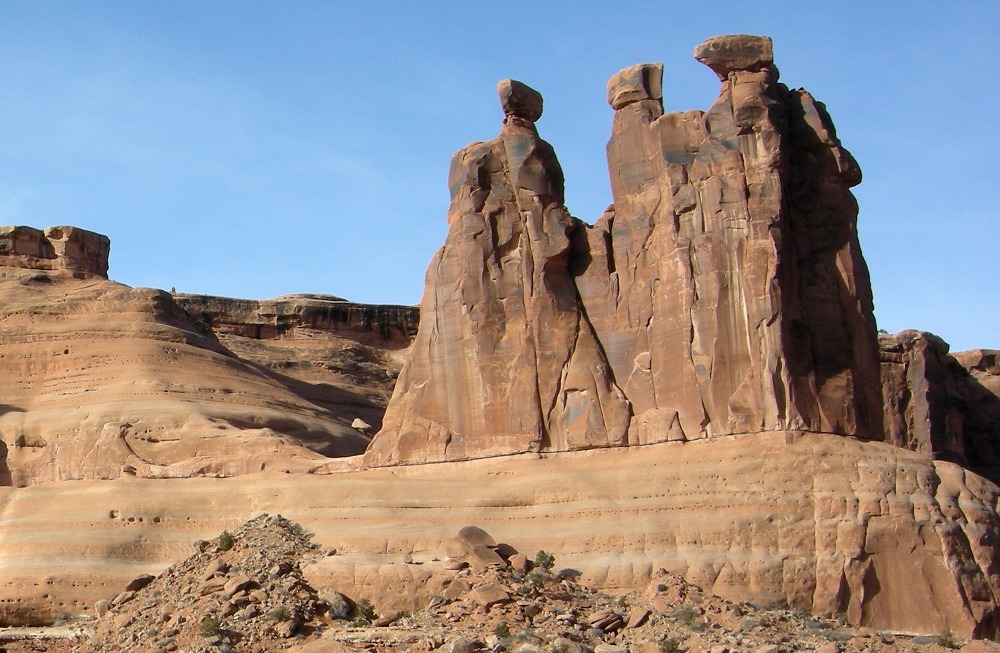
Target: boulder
489 594
475 536
639 82
735 52
482 556
519 100
139 582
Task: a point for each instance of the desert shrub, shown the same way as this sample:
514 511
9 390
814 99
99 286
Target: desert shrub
947 640
280 613
545 560
686 615
210 627
364 612
226 541
669 645
502 630
61 619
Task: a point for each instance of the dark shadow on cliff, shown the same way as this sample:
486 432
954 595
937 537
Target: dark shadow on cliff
6 479
824 338
980 426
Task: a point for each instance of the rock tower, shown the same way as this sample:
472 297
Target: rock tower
723 292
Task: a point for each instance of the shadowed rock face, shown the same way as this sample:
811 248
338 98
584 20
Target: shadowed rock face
724 291
944 405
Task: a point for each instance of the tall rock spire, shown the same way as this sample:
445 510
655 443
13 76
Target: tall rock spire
504 360
735 298
724 292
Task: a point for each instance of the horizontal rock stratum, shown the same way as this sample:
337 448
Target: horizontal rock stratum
826 523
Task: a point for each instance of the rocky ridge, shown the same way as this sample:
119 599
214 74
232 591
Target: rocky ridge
102 380
73 249
945 405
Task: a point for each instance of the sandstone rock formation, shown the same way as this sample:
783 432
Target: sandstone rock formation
724 291
505 360
947 406
102 380
825 523
722 294
303 316
56 248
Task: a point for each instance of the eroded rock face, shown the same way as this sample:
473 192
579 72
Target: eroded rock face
102 381
944 405
505 361
830 524
302 316
55 248
724 292
731 295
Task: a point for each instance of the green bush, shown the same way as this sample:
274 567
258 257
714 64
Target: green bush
686 615
947 640
280 613
545 560
210 627
502 630
364 612
226 541
669 645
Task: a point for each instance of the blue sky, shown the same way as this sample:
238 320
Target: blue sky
254 149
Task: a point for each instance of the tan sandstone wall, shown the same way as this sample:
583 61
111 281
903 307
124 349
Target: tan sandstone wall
826 523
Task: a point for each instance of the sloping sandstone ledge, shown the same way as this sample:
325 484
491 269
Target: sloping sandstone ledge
827 523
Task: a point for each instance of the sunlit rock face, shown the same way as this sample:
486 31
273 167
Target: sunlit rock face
505 359
55 248
723 292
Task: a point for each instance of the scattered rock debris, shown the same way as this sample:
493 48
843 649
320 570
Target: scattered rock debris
252 597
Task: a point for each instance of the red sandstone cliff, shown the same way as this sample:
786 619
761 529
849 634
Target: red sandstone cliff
724 292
